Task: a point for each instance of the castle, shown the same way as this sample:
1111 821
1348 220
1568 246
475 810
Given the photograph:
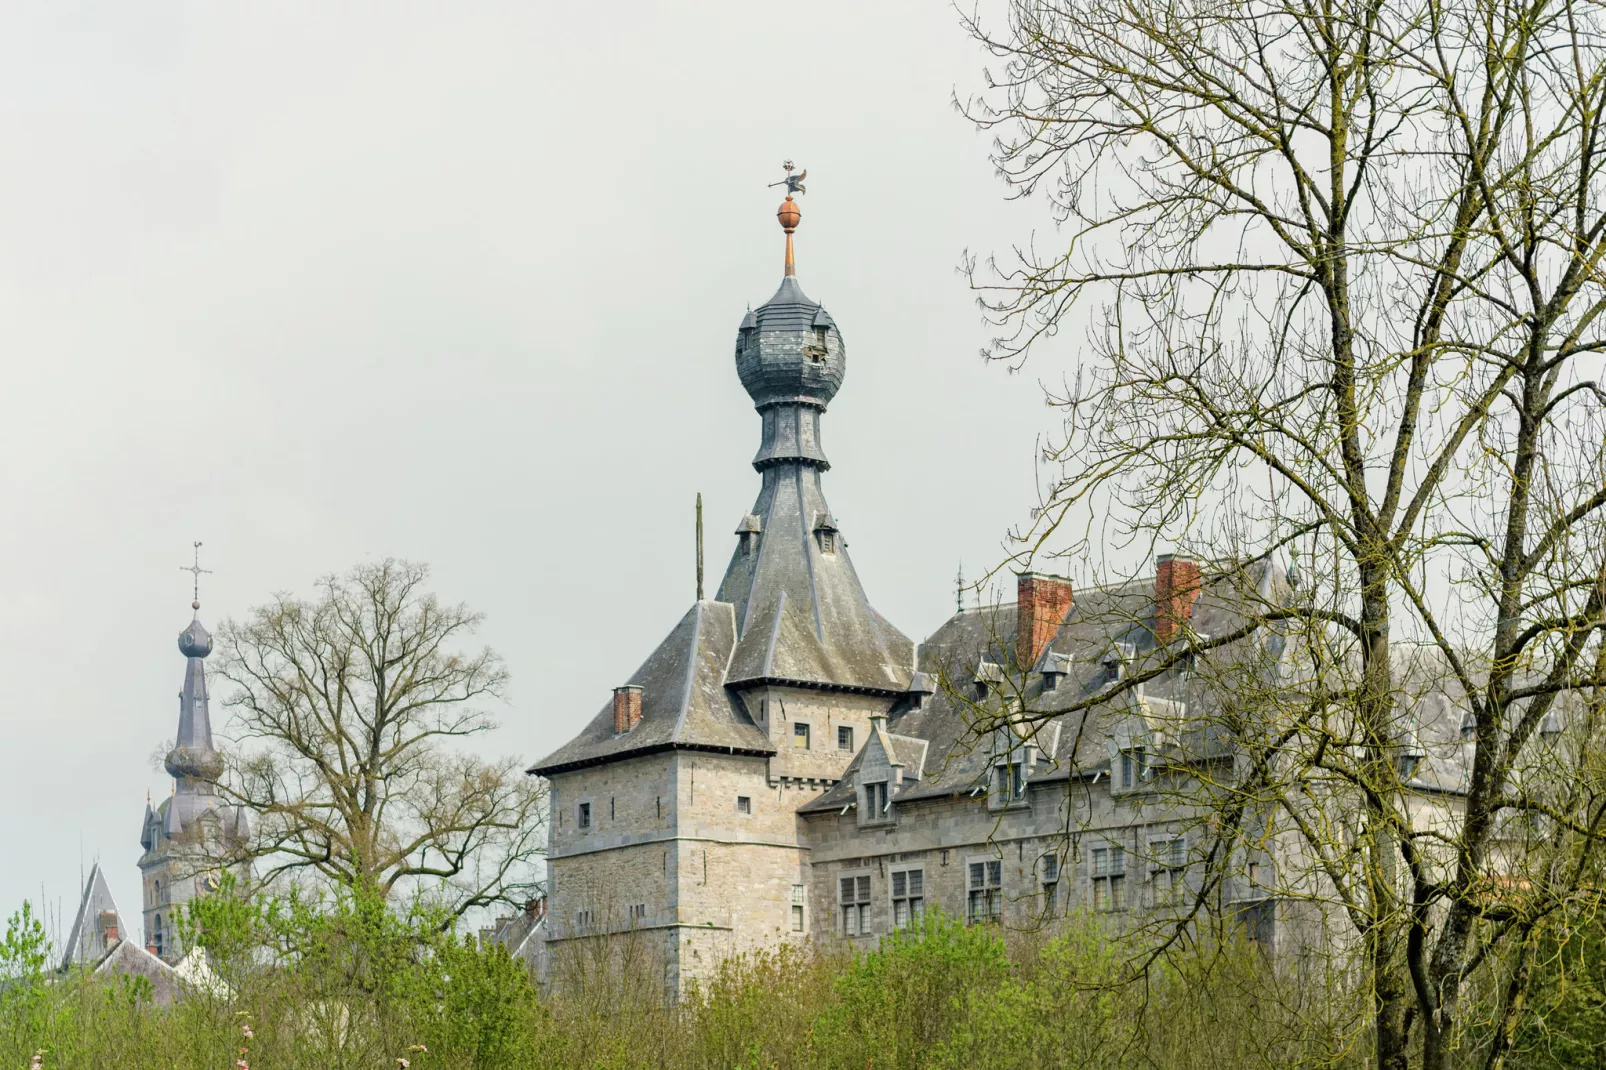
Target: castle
787 766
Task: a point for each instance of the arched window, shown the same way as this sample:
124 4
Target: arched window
156 934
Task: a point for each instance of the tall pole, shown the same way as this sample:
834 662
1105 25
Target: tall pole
699 546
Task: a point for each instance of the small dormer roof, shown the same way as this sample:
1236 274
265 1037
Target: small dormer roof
749 524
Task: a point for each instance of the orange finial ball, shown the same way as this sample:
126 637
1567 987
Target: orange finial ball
789 214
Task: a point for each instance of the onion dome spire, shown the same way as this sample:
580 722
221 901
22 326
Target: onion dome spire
193 761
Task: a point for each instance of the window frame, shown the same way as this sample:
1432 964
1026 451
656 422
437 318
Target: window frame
1008 785
988 893
854 914
913 899
873 792
744 805
802 735
1049 874
1107 875
582 815
799 914
844 737
1168 867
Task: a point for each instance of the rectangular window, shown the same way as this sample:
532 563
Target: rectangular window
908 897
875 801
800 735
744 804
844 738
797 908
1170 866
986 896
638 911
1134 767
1109 879
584 819
1051 884
854 893
1009 782
583 921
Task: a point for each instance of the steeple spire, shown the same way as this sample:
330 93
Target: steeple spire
193 762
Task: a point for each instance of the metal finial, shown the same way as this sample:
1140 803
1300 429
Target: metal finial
789 213
195 570
959 589
699 546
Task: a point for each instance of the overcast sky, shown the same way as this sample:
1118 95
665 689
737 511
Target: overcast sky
457 283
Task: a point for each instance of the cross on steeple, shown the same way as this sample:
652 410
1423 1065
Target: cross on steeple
195 570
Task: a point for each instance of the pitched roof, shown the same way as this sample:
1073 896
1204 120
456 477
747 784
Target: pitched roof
979 643
684 702
86 940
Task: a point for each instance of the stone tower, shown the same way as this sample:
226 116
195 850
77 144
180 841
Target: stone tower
675 811
192 835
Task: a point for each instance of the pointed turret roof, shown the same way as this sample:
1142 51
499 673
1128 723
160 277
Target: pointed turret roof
790 608
193 758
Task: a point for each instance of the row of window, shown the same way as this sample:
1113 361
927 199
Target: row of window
582 811
984 886
803 736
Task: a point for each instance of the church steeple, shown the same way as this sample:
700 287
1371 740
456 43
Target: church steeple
193 762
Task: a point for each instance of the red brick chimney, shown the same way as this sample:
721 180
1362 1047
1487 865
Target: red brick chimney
1042 603
1176 589
626 707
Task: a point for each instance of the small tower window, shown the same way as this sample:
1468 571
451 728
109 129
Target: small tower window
828 541
817 351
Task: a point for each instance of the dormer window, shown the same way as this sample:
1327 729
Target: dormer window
1009 782
1134 767
989 675
877 806
825 532
747 535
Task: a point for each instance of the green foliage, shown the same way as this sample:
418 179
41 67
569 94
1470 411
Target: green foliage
343 981
897 1002
1566 1026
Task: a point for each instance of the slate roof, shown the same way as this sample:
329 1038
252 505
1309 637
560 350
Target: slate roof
790 608
684 701
84 942
981 642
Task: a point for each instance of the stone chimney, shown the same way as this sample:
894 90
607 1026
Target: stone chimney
1176 589
1042 603
626 708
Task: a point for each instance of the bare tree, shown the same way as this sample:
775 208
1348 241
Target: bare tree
1339 263
344 708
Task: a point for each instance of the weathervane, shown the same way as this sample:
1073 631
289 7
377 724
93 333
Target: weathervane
789 213
793 183
195 571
